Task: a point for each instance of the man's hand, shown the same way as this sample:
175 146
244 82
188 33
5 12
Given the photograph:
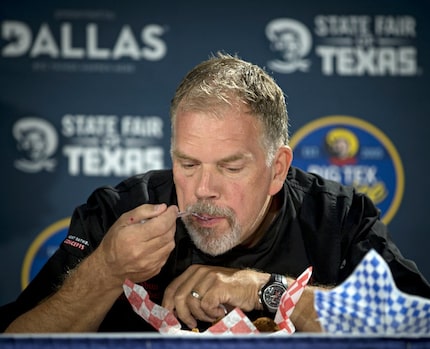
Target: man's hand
216 288
229 288
136 250
304 316
130 249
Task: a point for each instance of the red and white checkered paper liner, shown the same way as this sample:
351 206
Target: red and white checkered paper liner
289 300
235 322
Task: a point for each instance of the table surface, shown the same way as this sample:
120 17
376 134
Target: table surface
157 341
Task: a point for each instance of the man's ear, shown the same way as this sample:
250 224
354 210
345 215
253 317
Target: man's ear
281 165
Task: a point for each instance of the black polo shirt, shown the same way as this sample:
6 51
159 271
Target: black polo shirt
321 224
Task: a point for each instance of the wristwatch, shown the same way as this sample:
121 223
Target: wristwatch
271 293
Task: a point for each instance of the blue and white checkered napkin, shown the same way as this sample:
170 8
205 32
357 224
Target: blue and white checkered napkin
369 302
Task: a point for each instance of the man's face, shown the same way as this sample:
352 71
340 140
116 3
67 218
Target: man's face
340 148
220 172
34 143
289 45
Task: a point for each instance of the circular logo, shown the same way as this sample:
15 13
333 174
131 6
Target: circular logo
42 248
37 140
292 41
353 152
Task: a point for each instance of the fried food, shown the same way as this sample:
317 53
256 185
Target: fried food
265 324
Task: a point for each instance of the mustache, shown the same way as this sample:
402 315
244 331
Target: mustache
210 209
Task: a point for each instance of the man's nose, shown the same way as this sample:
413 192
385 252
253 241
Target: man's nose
207 185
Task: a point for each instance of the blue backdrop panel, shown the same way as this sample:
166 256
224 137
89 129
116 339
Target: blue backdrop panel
86 85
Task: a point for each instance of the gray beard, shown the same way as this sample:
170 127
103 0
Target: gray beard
206 240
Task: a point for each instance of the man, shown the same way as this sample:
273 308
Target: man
254 220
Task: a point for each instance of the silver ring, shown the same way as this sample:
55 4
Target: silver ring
195 294
222 306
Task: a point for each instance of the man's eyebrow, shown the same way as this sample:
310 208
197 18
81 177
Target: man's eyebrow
236 157
180 155
231 158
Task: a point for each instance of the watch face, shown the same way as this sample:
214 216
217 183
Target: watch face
272 296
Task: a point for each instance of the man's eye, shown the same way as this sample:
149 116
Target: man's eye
233 169
187 165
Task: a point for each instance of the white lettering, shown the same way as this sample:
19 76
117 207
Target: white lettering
310 151
89 125
45 44
359 175
67 43
329 172
408 61
93 50
342 25
374 153
18 39
73 154
20 36
126 45
93 161
357 61
399 26
142 126
156 48
349 175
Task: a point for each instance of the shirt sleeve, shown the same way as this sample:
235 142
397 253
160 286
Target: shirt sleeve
89 224
84 234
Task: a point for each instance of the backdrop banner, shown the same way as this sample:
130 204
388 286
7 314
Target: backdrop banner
86 87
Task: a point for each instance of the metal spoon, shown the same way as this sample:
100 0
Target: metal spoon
184 214
195 214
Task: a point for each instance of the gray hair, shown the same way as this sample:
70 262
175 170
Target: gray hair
225 80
